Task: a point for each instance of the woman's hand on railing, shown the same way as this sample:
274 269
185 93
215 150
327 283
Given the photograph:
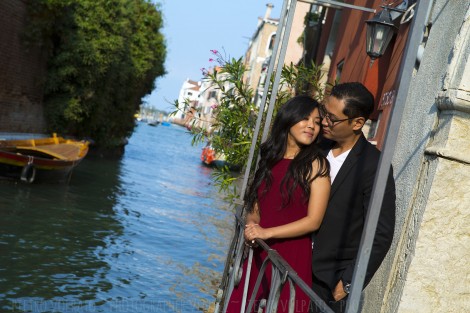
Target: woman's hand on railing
254 231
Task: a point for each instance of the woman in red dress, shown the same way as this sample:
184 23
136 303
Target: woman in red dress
286 200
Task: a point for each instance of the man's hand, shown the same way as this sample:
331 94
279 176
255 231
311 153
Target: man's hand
339 293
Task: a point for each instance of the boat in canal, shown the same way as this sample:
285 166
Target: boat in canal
51 159
153 123
210 157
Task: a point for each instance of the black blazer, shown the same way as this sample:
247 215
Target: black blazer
336 243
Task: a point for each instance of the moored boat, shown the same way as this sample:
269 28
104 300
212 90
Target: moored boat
50 158
154 123
210 157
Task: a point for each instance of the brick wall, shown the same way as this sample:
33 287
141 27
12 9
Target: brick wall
22 72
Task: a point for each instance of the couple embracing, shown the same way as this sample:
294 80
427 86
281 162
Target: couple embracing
309 197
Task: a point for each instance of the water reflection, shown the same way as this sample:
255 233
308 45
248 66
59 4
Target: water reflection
51 235
147 233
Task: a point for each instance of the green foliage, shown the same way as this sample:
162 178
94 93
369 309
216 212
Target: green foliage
236 114
302 79
104 56
310 19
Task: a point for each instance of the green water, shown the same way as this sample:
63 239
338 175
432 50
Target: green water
146 233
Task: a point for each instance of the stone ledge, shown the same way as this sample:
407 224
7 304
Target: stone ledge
454 99
452 143
448 154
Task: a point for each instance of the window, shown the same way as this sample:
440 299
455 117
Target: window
339 70
271 42
212 94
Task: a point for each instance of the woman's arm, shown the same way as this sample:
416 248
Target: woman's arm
253 217
319 194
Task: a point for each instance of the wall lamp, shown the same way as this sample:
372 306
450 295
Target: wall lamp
381 28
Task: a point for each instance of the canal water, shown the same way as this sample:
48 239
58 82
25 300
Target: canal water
146 233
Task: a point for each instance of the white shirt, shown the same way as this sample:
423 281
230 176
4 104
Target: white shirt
336 163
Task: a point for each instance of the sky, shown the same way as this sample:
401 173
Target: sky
194 27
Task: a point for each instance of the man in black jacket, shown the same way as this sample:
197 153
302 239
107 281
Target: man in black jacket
354 163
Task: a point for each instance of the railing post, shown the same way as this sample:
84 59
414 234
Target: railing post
292 295
257 284
274 290
235 267
247 279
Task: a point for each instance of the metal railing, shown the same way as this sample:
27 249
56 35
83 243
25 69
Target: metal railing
281 274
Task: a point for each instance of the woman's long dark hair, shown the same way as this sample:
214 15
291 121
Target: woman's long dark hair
274 148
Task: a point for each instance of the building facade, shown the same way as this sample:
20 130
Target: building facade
260 49
208 101
187 97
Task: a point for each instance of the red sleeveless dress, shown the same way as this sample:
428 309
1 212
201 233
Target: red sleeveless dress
296 251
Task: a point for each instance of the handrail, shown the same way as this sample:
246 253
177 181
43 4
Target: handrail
282 272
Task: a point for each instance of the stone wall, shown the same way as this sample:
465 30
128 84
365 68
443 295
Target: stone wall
427 268
438 275
22 72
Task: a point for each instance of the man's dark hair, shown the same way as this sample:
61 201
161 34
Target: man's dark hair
358 100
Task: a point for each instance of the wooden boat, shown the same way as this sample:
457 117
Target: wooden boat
44 158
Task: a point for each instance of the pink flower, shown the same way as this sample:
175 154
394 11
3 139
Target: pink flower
211 60
214 51
214 106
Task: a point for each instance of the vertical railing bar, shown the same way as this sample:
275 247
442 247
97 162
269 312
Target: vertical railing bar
235 267
291 295
263 100
225 275
405 75
247 279
280 64
257 284
275 290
